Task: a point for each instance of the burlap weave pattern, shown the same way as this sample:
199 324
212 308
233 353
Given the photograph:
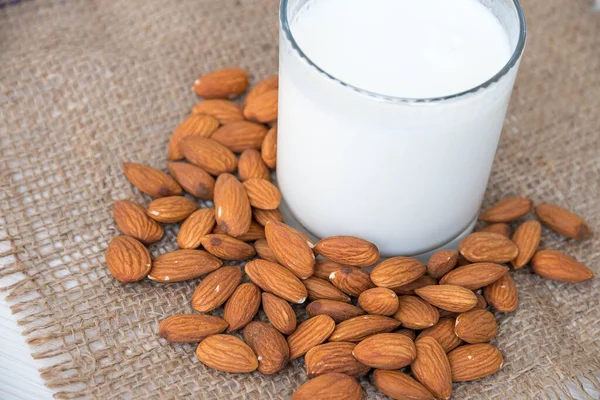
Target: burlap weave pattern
86 85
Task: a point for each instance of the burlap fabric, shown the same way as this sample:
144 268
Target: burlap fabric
86 85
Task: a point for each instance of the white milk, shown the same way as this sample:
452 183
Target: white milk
408 176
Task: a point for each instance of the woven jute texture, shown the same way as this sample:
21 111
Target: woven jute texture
86 85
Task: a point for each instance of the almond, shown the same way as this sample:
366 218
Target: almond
133 221
193 180
527 238
502 294
337 310
208 154
420 282
269 345
279 313
431 367
127 259
500 228
194 125
266 85
332 386
324 268
448 297
348 250
227 248
181 265
380 301
190 328
309 334
274 278
474 361
409 333
441 262
443 332
351 280
386 351
357 328
255 232
215 288
398 385
225 111
242 306
151 181
264 251
562 221
234 214
171 209
481 303
226 353
264 216
554 265
334 357
240 135
224 83
290 248
262 194
321 289
397 271
474 276
507 210
194 228
415 313
268 150
476 326
263 107
251 166
488 247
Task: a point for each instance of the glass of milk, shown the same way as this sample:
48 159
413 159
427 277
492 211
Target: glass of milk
390 113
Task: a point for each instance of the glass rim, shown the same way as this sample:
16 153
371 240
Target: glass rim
512 61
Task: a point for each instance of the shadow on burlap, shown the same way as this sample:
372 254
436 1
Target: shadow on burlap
87 85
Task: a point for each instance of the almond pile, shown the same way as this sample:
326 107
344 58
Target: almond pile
431 320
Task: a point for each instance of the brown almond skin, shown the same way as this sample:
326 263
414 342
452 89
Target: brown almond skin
227 248
324 268
507 210
242 306
556 266
151 181
448 297
193 179
233 211
502 294
476 326
240 135
255 232
400 386
225 111
527 238
441 262
563 221
262 194
481 303
380 301
133 221
409 333
208 154
263 108
474 276
264 251
499 228
415 313
351 280
334 357
431 367
269 345
397 271
226 83
190 328
127 259
279 312
386 351
309 334
332 386
266 85
321 289
226 353
215 288
444 333
474 361
195 227
268 149
488 247
348 250
290 248
182 265
274 278
171 209
264 216
358 328
337 310
194 125
251 166
409 288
